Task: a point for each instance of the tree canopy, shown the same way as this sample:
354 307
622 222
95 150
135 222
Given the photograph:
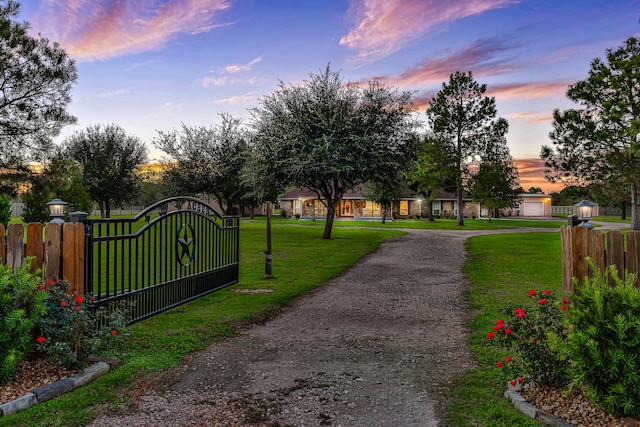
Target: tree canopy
207 160
464 120
35 86
329 136
109 158
598 143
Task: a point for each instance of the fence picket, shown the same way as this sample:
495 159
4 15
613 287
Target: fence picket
15 245
615 251
35 248
596 249
633 254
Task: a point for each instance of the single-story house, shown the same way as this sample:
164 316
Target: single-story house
304 204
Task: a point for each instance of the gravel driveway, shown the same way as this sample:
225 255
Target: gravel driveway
377 346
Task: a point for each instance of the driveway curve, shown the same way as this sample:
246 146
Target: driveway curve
377 346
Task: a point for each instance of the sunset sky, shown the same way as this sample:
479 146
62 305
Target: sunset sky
151 65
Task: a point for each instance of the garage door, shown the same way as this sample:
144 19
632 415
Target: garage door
533 209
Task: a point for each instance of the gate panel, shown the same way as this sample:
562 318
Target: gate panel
168 254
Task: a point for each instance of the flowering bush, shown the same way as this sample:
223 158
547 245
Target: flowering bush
72 328
529 334
21 304
604 340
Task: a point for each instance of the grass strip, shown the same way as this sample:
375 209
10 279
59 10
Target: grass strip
502 269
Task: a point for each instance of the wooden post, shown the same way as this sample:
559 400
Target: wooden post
52 251
3 248
567 260
580 251
268 267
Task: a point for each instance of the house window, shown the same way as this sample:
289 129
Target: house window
404 207
435 207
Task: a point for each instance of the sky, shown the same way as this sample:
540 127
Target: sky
152 65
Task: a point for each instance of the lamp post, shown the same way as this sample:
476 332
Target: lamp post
56 210
585 211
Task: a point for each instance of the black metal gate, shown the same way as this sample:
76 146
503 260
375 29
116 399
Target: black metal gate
172 252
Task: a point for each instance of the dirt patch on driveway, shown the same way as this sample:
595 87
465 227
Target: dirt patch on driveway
378 346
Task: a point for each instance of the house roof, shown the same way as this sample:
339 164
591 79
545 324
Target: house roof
356 194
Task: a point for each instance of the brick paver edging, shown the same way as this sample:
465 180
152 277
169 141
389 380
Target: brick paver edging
534 413
55 389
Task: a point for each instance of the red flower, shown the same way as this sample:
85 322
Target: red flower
499 364
532 292
63 303
565 301
513 383
563 307
547 292
498 327
50 282
519 313
114 332
542 301
490 335
499 322
40 340
508 359
508 331
520 380
41 287
533 341
78 307
79 299
92 299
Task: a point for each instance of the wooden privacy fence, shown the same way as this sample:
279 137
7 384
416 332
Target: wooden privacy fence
58 249
578 243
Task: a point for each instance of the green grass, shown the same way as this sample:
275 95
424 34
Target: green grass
301 261
502 269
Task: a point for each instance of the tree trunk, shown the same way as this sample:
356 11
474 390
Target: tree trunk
328 226
460 206
430 213
635 208
107 209
624 211
384 213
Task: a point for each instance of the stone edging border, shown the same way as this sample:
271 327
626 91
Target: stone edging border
55 389
534 413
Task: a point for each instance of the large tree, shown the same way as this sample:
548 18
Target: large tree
430 172
464 120
208 160
110 158
35 83
599 143
329 136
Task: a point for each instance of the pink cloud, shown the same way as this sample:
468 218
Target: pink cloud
94 30
385 26
529 90
531 173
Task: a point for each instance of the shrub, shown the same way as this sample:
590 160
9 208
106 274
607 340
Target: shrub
21 303
604 340
530 334
283 213
72 328
5 211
